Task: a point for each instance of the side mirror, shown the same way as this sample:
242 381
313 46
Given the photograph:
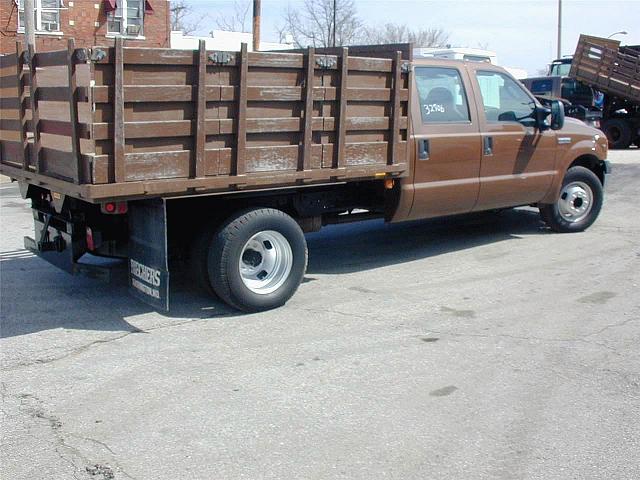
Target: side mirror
557 115
541 117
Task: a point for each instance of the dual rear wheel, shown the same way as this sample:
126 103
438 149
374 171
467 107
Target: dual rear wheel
254 261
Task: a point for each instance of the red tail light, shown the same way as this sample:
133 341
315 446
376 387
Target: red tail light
90 243
114 208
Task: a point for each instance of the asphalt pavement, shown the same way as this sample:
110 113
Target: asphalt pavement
481 347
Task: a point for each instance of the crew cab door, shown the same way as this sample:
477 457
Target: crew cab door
518 159
447 141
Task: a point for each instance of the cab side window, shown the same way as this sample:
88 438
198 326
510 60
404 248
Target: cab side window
504 99
442 95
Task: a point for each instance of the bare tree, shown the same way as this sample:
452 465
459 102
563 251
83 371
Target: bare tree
181 17
396 33
239 21
312 24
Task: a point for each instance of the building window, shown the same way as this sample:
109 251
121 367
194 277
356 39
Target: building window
47 15
127 18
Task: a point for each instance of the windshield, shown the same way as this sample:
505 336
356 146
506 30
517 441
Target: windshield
560 69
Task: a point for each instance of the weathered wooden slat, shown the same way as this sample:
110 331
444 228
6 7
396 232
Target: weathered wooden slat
370 64
118 115
366 94
52 127
188 93
11 81
276 60
151 166
9 61
225 126
9 103
57 162
56 58
307 138
197 169
394 131
159 56
239 167
53 94
35 113
13 153
72 84
275 159
339 158
162 56
366 153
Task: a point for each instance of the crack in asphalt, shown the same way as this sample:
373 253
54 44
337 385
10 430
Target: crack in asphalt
85 347
613 325
63 450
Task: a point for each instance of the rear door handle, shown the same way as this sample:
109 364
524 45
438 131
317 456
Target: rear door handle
487 145
423 149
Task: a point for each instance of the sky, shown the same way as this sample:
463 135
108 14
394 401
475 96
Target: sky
522 32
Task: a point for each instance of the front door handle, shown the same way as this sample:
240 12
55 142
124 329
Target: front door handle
423 149
487 145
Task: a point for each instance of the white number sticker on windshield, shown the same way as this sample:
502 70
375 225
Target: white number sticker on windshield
430 108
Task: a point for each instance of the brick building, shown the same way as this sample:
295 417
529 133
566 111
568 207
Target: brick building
90 22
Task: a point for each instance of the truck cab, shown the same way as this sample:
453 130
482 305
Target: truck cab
483 141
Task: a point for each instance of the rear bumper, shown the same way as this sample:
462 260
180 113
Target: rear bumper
62 243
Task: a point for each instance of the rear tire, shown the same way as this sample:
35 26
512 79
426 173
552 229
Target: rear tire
256 260
579 202
619 133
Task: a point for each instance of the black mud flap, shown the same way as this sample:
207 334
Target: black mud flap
148 262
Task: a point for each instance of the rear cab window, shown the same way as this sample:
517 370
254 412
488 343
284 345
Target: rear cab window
442 95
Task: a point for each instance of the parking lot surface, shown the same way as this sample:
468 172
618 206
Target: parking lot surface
481 347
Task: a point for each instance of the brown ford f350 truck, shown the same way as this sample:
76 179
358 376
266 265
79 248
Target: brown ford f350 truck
225 159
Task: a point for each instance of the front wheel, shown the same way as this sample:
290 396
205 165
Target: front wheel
579 203
257 259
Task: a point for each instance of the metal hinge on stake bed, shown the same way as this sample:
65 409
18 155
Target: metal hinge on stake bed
326 62
220 57
98 54
81 55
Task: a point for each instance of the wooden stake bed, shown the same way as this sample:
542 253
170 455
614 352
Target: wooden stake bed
603 64
117 122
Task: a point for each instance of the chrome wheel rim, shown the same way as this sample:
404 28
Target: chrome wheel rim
265 262
576 201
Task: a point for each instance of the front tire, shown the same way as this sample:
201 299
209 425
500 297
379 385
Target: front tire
579 202
257 259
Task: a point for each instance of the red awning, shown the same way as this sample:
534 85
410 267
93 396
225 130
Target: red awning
148 9
110 6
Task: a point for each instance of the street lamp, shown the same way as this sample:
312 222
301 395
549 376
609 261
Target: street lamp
617 33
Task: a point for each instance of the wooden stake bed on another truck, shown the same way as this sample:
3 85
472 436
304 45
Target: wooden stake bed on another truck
224 159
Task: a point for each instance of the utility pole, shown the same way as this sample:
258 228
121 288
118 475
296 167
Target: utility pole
334 23
256 25
29 27
559 53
